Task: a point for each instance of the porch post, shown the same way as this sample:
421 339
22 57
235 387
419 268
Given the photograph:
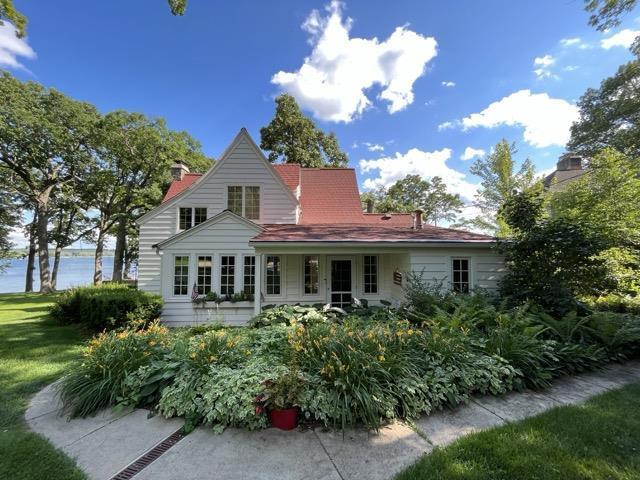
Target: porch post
257 297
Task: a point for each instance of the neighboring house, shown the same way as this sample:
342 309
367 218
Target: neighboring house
569 168
286 234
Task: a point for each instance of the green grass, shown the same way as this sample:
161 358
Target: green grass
34 351
599 440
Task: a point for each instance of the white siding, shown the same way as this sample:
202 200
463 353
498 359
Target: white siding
487 266
154 231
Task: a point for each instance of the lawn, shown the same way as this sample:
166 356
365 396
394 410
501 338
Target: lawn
599 440
34 351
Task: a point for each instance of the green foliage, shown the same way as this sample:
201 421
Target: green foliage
411 193
615 303
282 391
108 306
287 314
9 13
294 138
605 14
99 381
499 181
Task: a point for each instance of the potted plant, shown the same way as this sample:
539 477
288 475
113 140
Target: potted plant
279 399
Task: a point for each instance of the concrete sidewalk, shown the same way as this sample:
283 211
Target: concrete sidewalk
107 443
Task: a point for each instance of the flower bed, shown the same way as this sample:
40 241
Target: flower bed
367 367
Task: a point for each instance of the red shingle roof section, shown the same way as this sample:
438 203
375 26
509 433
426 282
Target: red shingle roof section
365 233
290 174
390 220
329 196
178 186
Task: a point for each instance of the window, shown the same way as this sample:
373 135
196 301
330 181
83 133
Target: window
273 275
227 274
190 217
311 274
460 269
252 203
186 218
250 274
370 274
244 201
204 274
199 215
181 275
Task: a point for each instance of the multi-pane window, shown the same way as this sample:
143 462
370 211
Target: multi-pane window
181 275
205 264
234 199
370 274
272 277
227 274
190 217
252 203
244 201
249 274
199 215
460 270
311 272
186 218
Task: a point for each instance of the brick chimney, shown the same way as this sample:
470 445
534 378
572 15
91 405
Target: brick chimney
369 205
569 161
178 170
417 219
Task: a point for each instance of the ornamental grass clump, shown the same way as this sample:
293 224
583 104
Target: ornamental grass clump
98 381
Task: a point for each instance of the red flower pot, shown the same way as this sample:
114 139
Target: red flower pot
284 419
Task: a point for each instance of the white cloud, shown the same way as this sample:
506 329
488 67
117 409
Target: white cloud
471 152
374 147
390 169
448 84
624 38
570 42
12 47
546 121
570 68
544 65
333 79
446 126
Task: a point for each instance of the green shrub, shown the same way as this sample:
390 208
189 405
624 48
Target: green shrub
615 303
107 306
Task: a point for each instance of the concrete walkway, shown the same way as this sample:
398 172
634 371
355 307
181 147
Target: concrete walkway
107 443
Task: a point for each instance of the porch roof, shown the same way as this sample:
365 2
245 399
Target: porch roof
363 233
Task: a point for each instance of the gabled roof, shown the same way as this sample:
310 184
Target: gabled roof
359 233
290 174
329 196
207 223
178 186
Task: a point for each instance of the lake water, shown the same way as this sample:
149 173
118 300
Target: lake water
74 271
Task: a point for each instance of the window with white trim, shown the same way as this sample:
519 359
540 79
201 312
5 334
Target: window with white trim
311 274
250 274
273 274
205 265
227 274
461 272
370 271
181 275
244 201
191 216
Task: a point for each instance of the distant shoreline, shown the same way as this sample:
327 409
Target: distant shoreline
66 252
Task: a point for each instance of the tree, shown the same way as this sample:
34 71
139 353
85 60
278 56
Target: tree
606 201
293 138
499 181
550 261
9 219
605 14
610 115
134 156
46 145
413 192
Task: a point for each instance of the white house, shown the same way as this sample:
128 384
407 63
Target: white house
285 234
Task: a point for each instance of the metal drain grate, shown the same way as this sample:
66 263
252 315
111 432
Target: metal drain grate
152 455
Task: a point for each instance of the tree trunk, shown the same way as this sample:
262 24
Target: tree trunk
31 258
56 266
43 245
97 272
121 247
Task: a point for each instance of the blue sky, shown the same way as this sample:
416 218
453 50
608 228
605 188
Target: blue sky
411 101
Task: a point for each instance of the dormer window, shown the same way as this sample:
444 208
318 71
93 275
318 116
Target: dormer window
244 201
191 216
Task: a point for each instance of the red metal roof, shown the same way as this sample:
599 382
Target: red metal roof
178 186
364 233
